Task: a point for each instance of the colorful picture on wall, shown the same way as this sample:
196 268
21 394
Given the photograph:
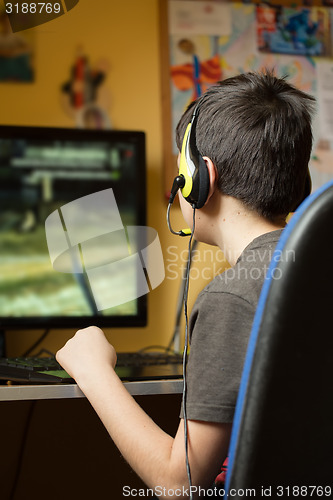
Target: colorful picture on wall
195 65
16 54
295 31
195 74
84 97
199 61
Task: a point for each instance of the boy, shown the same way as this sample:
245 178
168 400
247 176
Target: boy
254 134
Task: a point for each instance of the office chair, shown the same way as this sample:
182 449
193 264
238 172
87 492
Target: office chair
282 435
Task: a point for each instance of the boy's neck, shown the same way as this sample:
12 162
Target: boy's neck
237 226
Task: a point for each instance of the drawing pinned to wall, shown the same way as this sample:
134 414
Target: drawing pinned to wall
267 16
195 75
16 53
195 27
198 17
295 31
233 52
199 66
84 97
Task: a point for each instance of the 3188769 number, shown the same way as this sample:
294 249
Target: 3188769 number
32 8
304 491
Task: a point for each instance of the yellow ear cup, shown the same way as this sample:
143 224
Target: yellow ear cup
184 167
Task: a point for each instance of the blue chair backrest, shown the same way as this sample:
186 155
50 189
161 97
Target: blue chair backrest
282 434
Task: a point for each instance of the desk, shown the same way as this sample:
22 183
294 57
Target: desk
83 461
69 391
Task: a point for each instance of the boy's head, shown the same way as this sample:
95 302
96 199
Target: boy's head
256 129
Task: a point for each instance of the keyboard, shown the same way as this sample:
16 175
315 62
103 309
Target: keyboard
33 370
145 365
131 366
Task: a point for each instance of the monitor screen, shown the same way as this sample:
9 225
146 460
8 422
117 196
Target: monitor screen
43 170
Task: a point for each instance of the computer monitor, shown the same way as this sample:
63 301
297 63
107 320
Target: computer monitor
41 170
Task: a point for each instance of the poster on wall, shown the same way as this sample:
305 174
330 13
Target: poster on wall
296 31
225 55
84 98
200 60
16 53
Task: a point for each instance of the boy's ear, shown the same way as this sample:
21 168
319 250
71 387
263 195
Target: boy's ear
213 176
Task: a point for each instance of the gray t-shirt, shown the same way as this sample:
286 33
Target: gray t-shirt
220 326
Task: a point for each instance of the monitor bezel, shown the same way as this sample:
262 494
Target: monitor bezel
109 321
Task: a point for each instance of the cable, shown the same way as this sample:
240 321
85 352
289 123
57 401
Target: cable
40 353
188 469
157 348
36 344
22 449
180 301
179 183
182 232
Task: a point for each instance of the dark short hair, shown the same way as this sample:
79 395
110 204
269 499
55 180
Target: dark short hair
256 128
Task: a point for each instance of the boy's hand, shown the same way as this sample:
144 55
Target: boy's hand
87 354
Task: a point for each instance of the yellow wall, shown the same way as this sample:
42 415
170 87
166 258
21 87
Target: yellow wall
127 35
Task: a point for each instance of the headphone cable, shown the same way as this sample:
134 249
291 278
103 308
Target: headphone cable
175 339
186 343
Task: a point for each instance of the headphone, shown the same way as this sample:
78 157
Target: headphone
193 167
193 177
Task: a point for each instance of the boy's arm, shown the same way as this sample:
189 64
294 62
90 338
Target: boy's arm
155 456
